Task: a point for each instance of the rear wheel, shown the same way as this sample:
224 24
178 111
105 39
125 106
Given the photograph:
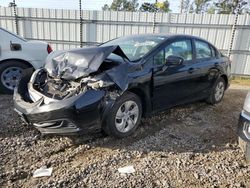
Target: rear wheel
217 92
245 147
10 74
125 116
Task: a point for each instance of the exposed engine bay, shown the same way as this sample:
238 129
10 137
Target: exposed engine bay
59 88
70 73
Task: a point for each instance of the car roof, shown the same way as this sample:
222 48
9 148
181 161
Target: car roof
165 35
171 36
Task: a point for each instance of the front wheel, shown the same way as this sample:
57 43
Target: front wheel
217 92
124 117
10 74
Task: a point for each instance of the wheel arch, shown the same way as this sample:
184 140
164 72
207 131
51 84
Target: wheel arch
16 59
225 78
145 101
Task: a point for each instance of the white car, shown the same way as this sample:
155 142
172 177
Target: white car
16 54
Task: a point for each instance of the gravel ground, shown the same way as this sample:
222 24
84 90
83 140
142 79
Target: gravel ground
194 145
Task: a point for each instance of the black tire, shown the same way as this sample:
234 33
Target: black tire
3 67
212 97
245 147
109 126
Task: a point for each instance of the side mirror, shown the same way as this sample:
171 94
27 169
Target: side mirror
174 60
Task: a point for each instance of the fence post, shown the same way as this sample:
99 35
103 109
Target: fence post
13 4
234 29
154 19
232 35
80 7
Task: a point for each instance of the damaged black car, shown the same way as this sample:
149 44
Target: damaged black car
111 86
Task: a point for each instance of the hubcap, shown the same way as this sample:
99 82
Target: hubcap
219 90
10 77
127 116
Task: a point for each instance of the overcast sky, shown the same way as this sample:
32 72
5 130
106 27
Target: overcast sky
74 4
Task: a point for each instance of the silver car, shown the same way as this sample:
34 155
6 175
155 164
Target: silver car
244 128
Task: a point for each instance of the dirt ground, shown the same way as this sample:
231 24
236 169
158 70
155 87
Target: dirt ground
194 145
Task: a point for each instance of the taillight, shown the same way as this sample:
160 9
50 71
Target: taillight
49 49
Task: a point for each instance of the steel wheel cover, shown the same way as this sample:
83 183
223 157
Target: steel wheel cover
10 77
127 116
219 90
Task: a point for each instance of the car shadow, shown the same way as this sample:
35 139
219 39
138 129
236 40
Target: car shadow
197 127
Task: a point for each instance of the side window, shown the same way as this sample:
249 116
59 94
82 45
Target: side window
181 48
159 58
203 50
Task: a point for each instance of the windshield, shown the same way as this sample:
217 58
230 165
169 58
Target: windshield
135 47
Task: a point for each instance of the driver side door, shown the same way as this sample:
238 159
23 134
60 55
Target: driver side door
173 84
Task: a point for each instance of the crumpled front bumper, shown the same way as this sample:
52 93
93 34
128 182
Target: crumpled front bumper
244 126
79 113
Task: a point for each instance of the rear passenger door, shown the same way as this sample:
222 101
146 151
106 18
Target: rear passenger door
205 64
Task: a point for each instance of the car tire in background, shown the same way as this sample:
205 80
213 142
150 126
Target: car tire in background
10 73
124 116
245 147
217 91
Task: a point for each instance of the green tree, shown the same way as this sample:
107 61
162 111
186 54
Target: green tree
148 7
230 6
105 7
211 10
185 6
191 8
155 7
195 6
122 5
201 6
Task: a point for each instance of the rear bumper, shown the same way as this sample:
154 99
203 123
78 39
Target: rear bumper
37 63
79 113
244 126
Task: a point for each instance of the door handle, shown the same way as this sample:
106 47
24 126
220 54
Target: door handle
164 68
191 70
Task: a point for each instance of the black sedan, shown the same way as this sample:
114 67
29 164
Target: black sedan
110 87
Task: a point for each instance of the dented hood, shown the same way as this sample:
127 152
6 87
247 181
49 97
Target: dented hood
73 64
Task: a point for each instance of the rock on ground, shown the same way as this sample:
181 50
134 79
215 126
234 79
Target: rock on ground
193 145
